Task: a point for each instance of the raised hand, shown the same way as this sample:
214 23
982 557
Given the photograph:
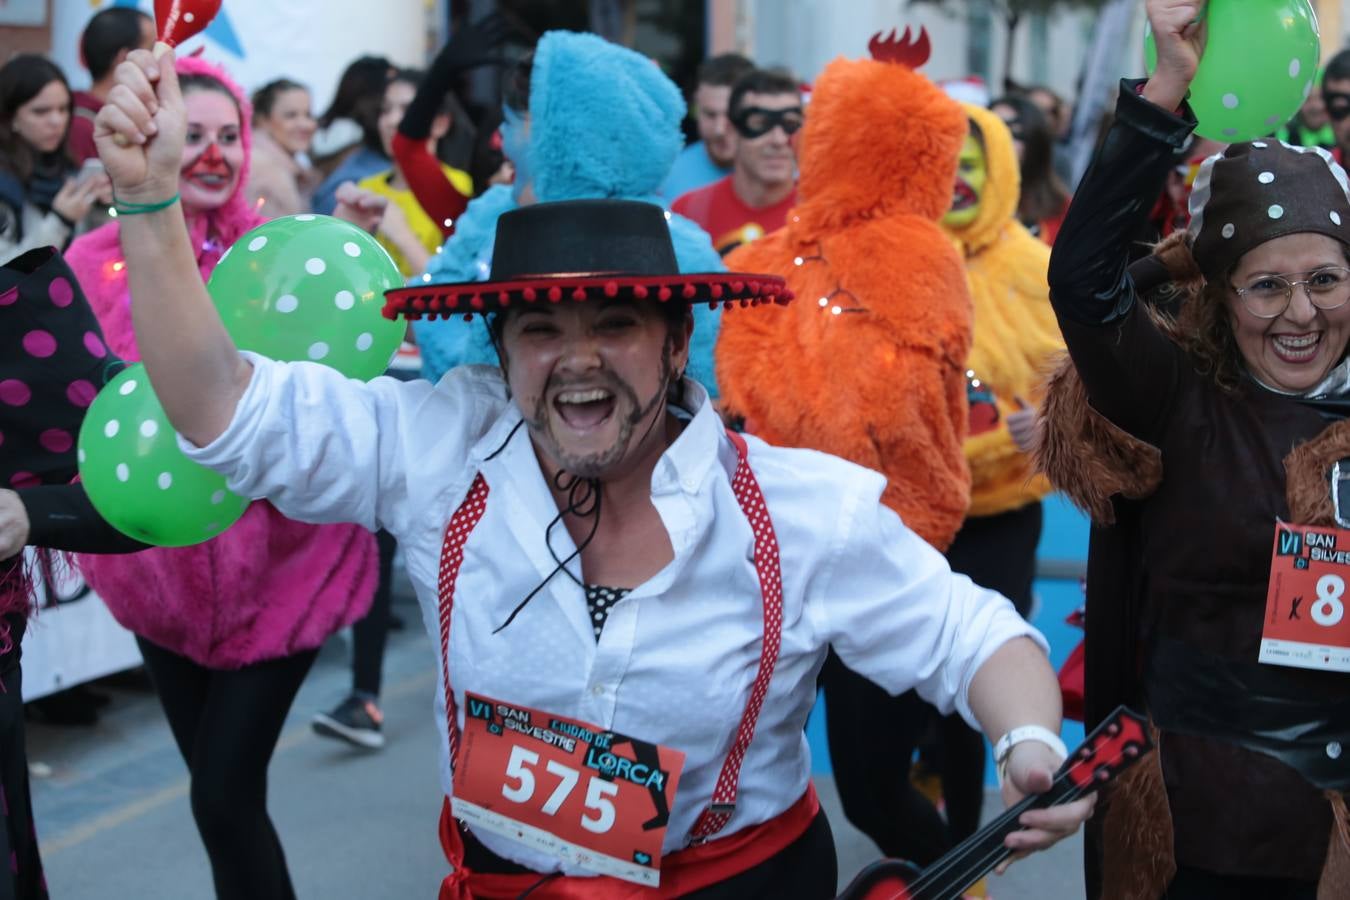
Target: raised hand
475 44
140 130
1179 33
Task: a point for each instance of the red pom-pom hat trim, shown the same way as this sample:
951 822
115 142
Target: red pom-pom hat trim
713 288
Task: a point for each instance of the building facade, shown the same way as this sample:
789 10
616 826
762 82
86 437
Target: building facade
969 37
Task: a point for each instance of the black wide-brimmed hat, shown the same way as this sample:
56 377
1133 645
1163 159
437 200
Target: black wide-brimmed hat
583 250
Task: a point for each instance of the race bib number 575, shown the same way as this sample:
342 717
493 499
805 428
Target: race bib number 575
1306 623
562 786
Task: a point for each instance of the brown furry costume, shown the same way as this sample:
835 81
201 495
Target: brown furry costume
1094 461
882 381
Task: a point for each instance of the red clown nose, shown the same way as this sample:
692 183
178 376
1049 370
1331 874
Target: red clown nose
181 19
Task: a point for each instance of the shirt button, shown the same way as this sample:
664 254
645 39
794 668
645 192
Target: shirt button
1334 750
599 690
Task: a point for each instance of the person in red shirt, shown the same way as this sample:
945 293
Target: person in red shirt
766 111
110 35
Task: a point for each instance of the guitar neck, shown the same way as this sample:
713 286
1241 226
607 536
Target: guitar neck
1113 746
976 856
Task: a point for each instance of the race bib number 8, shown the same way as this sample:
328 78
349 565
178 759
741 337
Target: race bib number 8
567 788
1305 624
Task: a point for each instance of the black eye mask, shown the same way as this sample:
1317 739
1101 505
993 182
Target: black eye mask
753 122
1338 105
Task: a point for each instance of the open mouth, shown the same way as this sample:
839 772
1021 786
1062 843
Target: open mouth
584 410
1296 348
212 181
963 196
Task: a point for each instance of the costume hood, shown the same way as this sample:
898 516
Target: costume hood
604 120
1002 188
865 112
604 123
237 205
268 586
96 257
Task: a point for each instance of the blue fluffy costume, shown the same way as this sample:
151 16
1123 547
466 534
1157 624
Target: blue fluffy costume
604 123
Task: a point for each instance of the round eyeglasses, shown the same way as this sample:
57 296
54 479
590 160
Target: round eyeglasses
1268 296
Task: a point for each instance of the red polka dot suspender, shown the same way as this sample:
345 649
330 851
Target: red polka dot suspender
457 532
751 501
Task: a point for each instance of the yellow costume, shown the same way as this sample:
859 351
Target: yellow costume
427 232
1016 336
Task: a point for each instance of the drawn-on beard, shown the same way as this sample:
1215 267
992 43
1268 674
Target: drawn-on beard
596 464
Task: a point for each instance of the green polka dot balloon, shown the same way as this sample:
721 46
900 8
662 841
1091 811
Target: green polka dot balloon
1259 65
310 288
137 477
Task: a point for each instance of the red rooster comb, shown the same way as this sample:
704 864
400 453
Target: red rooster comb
906 52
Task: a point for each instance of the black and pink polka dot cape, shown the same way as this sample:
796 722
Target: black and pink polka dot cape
53 361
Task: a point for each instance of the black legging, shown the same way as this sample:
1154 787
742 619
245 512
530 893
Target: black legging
371 631
227 723
873 735
872 738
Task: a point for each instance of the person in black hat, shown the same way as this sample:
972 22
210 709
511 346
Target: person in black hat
1234 407
629 603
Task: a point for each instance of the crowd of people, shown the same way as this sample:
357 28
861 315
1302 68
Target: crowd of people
823 365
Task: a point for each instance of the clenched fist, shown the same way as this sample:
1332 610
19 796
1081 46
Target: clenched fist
140 130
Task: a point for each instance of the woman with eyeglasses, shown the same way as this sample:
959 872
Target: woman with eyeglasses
1221 422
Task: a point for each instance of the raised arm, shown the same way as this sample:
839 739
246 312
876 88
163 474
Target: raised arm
195 367
1128 367
470 46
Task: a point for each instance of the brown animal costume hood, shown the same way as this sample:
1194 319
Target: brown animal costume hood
875 372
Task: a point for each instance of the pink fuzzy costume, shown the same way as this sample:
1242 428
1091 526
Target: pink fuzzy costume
268 587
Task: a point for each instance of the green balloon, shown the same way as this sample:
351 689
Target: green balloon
137 477
1260 64
310 288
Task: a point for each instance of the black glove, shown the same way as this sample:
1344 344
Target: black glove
471 46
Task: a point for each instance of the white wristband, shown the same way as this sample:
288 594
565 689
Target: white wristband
1025 733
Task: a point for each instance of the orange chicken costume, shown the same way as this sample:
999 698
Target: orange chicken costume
870 364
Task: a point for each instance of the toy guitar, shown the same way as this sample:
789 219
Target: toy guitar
1113 747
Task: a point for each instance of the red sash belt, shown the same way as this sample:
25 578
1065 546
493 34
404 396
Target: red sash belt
682 872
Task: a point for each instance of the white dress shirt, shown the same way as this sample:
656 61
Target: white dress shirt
678 654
